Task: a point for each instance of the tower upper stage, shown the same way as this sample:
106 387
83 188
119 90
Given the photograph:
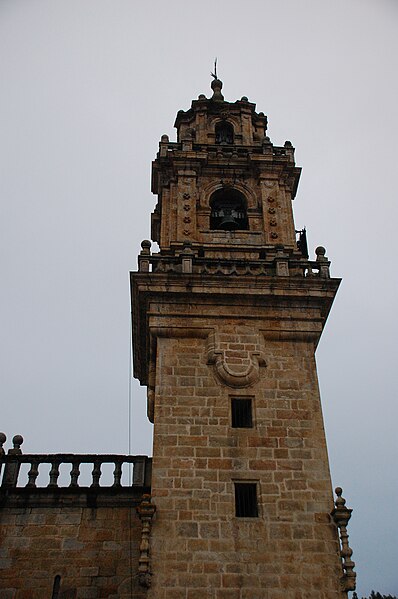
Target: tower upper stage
225 229
223 183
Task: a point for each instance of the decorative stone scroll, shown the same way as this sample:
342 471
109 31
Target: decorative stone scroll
146 511
237 356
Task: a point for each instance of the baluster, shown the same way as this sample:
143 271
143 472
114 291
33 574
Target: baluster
117 474
74 474
310 272
54 474
33 474
96 473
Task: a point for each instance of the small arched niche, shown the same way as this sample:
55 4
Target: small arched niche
228 210
224 133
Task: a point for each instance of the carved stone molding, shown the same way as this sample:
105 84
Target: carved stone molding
341 515
146 511
236 357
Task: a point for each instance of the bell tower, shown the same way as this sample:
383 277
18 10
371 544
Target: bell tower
226 319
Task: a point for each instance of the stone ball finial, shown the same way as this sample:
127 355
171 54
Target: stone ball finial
340 501
145 251
3 439
216 86
164 139
17 441
201 97
320 251
244 99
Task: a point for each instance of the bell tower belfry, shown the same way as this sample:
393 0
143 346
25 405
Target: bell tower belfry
226 319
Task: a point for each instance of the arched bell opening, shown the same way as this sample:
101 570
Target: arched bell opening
224 133
228 210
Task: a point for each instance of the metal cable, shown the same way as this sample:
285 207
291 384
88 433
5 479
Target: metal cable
129 452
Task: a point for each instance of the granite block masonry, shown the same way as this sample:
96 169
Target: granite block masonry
226 319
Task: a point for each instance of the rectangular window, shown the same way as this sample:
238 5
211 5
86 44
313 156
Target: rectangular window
246 500
241 411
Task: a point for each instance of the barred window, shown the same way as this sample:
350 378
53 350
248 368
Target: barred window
246 500
241 412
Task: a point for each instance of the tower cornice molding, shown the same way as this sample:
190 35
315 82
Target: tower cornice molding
283 307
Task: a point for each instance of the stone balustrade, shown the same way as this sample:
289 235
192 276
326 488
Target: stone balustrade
11 463
263 147
273 264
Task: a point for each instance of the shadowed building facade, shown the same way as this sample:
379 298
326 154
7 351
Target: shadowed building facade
227 313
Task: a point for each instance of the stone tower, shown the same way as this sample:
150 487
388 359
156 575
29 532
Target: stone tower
226 320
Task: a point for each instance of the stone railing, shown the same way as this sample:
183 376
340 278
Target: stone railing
139 469
260 147
278 264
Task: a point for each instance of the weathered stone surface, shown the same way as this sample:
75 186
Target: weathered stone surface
93 560
226 314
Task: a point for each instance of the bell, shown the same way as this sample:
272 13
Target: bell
229 223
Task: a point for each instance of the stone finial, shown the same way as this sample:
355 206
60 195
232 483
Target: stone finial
17 442
267 145
341 516
164 145
289 150
216 86
3 439
12 467
323 262
146 246
143 258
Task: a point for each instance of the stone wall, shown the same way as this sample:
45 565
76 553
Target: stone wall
200 549
94 550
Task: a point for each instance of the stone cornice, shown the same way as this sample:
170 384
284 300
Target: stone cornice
285 307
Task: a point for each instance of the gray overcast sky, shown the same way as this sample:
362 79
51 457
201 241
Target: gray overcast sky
88 88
